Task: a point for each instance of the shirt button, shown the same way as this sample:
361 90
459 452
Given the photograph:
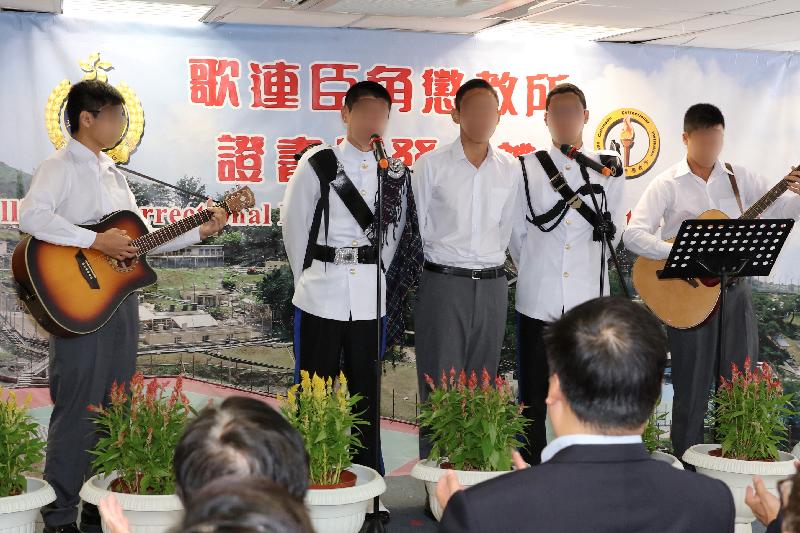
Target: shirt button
355 243
567 246
364 165
567 167
568 222
363 192
566 274
352 270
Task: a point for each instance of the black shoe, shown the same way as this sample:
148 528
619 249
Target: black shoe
66 528
90 518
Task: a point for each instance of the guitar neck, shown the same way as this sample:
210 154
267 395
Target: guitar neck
767 200
152 240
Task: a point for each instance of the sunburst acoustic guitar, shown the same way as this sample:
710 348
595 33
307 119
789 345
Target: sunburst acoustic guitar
72 291
686 303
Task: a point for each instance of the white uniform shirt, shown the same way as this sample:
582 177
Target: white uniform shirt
560 269
465 213
327 290
677 194
73 186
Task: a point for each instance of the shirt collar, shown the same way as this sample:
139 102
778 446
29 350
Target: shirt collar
352 153
458 151
557 155
571 440
682 168
82 154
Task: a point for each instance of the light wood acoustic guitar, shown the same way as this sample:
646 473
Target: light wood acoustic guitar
687 303
72 291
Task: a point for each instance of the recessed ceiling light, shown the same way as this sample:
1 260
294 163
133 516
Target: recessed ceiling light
124 10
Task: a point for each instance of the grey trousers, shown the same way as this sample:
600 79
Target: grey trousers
82 370
460 323
694 352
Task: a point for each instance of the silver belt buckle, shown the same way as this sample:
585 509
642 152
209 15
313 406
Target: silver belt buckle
476 274
346 256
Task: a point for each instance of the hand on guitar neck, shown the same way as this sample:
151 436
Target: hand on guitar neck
115 242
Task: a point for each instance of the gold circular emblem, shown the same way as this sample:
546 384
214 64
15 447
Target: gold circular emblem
618 131
133 129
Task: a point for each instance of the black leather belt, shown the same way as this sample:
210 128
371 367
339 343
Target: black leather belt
346 256
480 273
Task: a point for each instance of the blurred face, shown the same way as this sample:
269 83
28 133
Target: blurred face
104 126
704 145
369 115
565 118
478 115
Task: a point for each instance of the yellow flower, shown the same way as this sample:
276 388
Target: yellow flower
318 387
305 381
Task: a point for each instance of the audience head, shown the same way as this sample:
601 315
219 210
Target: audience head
241 436
252 504
606 359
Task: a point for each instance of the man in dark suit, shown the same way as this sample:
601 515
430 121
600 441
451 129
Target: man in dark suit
606 358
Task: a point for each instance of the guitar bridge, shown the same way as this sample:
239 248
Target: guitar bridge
86 270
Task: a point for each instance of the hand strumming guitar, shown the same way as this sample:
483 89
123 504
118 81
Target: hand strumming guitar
115 243
794 181
218 222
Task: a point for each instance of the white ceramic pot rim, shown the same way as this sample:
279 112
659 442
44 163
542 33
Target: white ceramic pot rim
38 494
375 486
97 487
698 455
428 470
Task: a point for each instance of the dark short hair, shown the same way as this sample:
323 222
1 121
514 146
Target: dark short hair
565 88
474 83
91 96
702 116
242 436
791 517
366 88
244 505
609 355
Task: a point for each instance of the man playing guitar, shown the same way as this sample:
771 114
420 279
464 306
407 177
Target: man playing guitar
693 185
79 184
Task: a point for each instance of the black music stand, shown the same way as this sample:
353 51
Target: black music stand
724 248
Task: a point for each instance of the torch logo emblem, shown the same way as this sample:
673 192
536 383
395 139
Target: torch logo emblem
633 134
133 128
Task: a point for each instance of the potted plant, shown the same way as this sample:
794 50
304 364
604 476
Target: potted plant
654 440
340 492
749 416
21 451
133 459
473 428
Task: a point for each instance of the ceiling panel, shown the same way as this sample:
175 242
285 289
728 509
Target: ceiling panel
419 8
612 16
448 25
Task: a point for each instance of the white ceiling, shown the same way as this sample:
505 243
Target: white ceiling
735 24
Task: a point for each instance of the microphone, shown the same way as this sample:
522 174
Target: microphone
378 151
573 153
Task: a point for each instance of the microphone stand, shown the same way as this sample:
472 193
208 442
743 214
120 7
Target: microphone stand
602 227
373 522
164 183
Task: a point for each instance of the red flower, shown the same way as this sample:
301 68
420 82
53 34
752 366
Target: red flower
485 380
473 381
429 381
462 377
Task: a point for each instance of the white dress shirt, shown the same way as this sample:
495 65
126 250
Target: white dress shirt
466 213
73 186
560 269
327 290
571 440
678 194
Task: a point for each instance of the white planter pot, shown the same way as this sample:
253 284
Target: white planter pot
146 514
667 458
430 473
343 510
738 475
18 514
